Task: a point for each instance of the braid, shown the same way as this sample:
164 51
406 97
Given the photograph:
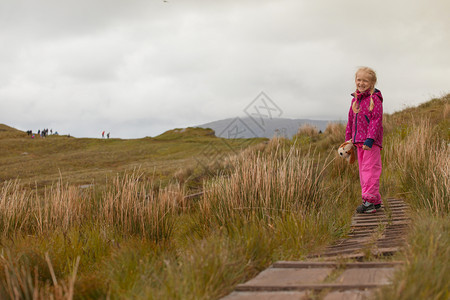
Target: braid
354 106
371 99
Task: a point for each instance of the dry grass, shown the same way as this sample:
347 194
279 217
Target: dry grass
132 206
335 131
136 238
263 186
332 137
308 130
21 283
422 161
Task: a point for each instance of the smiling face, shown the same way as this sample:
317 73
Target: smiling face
363 81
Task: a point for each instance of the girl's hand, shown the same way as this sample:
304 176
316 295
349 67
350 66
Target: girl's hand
366 147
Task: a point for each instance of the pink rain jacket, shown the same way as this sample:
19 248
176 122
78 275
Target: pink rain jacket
366 124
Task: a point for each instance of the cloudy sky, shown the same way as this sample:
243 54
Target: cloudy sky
138 67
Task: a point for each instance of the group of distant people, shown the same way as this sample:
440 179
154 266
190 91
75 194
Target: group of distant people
41 133
103 135
44 133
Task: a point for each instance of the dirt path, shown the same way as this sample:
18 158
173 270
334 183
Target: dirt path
341 271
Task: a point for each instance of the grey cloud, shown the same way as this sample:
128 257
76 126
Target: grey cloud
178 63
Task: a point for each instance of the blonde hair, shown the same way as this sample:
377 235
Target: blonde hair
373 76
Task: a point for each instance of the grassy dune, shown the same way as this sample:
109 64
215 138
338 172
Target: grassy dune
79 161
135 234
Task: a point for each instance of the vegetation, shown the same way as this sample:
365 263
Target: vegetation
419 156
136 234
40 162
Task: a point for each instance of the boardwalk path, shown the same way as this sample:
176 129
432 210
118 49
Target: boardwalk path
340 271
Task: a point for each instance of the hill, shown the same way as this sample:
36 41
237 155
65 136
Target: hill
132 238
9 132
41 161
249 128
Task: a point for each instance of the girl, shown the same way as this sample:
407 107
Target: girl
365 129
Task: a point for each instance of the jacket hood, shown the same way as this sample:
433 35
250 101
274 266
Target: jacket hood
376 92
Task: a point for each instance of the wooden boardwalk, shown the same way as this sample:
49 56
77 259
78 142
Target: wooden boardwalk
340 271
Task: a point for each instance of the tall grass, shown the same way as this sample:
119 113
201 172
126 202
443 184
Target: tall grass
263 186
132 206
273 201
422 161
59 208
418 154
70 222
19 282
278 200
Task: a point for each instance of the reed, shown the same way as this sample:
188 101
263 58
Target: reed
263 186
20 282
422 161
134 205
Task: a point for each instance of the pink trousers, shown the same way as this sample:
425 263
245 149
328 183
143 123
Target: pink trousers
369 162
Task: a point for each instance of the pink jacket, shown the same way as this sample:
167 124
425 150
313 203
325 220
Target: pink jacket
366 124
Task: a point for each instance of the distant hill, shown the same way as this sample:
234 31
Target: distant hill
246 127
185 133
9 132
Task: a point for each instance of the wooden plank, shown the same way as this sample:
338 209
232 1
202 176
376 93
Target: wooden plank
305 287
349 295
277 295
381 221
289 277
351 240
362 234
347 265
346 248
383 251
380 251
366 276
374 218
376 224
338 253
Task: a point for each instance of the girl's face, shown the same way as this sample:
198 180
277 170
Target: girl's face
363 81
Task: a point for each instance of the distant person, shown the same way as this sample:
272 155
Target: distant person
51 131
365 129
103 134
107 135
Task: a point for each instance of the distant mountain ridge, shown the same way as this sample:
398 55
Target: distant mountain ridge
246 127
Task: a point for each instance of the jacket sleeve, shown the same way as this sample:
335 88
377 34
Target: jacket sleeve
376 123
348 130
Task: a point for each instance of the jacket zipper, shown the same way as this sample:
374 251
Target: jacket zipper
356 120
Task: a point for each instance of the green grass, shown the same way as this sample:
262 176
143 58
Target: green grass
426 274
134 235
41 161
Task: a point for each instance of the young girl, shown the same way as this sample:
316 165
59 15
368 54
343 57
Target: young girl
365 129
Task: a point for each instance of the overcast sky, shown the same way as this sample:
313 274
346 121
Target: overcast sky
138 67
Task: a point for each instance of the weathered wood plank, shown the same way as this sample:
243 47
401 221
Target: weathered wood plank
305 287
381 275
347 265
289 277
279 295
349 295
